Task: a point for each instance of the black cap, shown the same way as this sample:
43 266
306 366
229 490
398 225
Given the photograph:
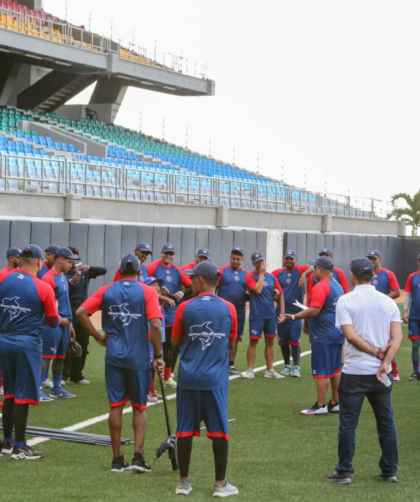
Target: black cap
361 267
144 247
52 249
32 251
65 253
205 269
168 248
238 250
130 260
324 262
326 252
290 254
374 254
203 252
256 257
14 252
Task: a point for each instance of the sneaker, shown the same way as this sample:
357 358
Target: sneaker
248 374
138 464
43 398
233 371
396 376
414 377
6 447
25 453
83 381
296 372
273 374
287 370
388 479
224 491
183 488
156 394
63 383
119 464
47 384
170 383
316 410
333 408
339 478
151 398
1 390
59 392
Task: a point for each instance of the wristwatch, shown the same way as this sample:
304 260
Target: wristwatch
157 356
293 317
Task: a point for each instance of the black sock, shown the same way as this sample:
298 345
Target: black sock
231 363
220 452
7 411
296 354
184 447
20 420
285 350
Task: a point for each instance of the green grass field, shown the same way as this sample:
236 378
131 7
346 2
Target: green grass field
275 453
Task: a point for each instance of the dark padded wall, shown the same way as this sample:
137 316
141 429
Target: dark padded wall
410 251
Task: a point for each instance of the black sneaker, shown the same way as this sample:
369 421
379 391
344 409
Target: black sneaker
25 453
339 478
6 447
138 464
388 479
119 464
316 410
233 371
414 377
333 408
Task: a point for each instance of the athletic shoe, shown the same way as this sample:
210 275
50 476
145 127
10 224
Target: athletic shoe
63 383
248 374
316 410
6 447
388 479
172 375
224 491
43 398
151 398
47 384
287 370
83 381
138 464
333 408
339 478
25 453
119 464
273 374
296 372
233 371
396 376
58 392
1 390
414 377
183 488
156 394
170 383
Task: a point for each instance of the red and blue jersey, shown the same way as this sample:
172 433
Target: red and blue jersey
338 275
126 307
289 282
141 277
25 304
206 323
322 327
60 286
262 305
188 266
232 286
173 279
6 270
413 286
385 281
43 271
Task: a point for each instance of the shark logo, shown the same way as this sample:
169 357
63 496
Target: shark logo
121 312
205 334
12 306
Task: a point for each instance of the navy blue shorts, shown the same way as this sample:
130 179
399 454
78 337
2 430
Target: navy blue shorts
259 326
289 332
21 364
326 359
55 342
123 385
241 324
413 329
209 406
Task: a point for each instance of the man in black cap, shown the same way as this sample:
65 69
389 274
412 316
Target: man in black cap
368 319
203 254
142 252
13 260
48 260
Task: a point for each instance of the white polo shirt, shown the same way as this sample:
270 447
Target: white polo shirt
371 313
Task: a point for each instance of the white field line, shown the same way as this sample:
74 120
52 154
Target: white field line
103 418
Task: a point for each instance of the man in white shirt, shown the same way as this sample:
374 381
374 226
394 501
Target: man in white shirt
371 323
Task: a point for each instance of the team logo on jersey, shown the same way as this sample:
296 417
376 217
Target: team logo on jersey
336 300
21 276
12 306
205 334
236 277
289 279
168 278
205 299
375 281
265 283
122 313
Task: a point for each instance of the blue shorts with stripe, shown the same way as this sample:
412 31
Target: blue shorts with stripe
55 342
326 359
195 406
123 385
289 332
259 326
241 324
413 329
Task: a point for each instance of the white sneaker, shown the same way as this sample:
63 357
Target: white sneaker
316 410
47 384
170 384
273 374
63 383
82 382
248 374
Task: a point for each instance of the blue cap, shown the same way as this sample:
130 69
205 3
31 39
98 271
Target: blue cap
168 248
238 250
290 254
65 253
326 251
14 252
32 251
324 262
144 247
203 252
151 280
374 254
361 266
257 256
52 249
130 260
205 269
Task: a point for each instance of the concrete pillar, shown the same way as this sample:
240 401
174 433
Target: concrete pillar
326 223
72 208
222 218
274 253
402 229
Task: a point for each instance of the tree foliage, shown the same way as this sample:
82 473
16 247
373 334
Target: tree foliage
411 213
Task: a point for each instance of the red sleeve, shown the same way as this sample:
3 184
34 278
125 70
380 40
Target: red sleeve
277 285
250 281
302 268
393 283
178 327
310 283
234 330
94 302
48 299
221 270
319 294
408 287
188 266
49 279
277 272
185 280
342 279
117 275
152 302
151 268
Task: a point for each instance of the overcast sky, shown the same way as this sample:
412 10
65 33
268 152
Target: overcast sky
330 88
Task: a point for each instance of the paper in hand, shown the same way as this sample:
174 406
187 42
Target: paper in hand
300 305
